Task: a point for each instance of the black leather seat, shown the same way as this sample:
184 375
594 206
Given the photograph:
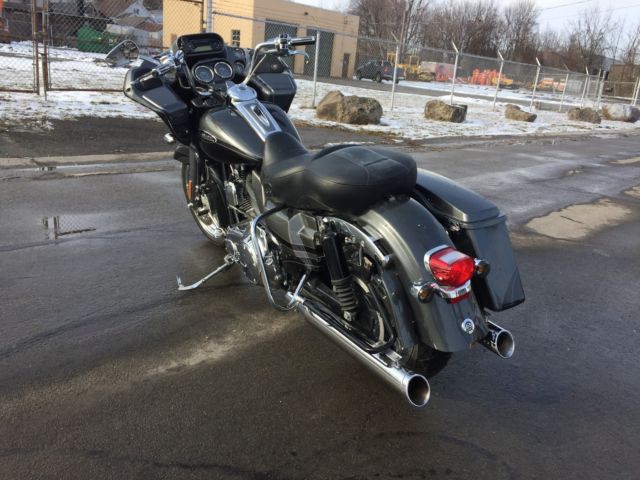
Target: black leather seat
344 178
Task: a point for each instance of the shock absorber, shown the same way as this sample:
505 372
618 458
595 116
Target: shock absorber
339 274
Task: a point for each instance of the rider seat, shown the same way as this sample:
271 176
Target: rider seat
345 178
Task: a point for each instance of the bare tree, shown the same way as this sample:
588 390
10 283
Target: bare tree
591 39
472 25
519 39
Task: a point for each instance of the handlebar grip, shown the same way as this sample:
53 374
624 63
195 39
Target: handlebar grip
303 41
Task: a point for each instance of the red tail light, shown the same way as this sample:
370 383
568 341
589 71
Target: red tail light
451 268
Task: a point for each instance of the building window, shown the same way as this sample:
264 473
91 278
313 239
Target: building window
235 38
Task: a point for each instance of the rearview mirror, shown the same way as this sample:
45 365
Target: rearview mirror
122 54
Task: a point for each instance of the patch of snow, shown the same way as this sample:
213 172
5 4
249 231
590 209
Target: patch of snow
74 69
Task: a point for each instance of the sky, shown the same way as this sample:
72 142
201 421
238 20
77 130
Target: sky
554 14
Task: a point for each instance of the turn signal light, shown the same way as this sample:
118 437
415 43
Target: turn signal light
451 268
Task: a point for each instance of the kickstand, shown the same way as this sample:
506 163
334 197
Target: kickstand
229 261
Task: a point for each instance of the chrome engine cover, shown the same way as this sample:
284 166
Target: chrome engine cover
238 244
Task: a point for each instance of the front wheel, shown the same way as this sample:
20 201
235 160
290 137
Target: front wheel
206 214
378 78
358 76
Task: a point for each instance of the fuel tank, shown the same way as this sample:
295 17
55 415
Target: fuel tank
226 137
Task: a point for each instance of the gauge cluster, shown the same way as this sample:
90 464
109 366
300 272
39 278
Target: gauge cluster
213 71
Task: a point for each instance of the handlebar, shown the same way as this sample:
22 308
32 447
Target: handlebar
300 41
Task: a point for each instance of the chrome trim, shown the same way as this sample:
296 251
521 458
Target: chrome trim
241 93
258 117
204 67
215 70
448 293
499 340
263 271
429 253
365 240
468 326
414 387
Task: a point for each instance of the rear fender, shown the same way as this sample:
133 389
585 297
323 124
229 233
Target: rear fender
407 231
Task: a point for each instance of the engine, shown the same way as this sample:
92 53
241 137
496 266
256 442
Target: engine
238 243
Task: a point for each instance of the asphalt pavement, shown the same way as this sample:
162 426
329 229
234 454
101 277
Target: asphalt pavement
107 371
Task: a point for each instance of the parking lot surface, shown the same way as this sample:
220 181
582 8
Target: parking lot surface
107 371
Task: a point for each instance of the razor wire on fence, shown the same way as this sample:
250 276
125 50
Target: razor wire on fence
58 45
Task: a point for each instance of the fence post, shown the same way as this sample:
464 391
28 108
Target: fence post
564 90
209 15
601 89
535 84
635 98
315 67
586 86
395 74
46 80
633 93
495 96
455 71
34 38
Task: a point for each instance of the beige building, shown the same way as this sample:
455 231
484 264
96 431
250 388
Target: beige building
234 20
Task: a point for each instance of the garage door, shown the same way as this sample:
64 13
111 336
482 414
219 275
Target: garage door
324 59
272 29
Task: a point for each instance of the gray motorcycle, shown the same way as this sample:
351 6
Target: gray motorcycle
399 266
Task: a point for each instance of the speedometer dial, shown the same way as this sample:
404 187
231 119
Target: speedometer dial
203 74
223 70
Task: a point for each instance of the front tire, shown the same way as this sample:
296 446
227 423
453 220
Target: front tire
208 222
378 78
358 76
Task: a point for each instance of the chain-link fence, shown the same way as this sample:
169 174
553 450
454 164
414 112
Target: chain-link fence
18 48
72 38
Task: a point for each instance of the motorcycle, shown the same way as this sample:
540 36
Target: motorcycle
397 265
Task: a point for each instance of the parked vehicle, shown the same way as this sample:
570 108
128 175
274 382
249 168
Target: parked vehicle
378 70
397 265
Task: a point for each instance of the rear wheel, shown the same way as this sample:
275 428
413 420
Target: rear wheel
358 75
206 214
378 78
427 361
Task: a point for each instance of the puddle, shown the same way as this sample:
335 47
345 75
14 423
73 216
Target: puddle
633 192
578 221
61 226
627 161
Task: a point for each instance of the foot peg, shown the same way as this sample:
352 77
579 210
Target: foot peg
229 261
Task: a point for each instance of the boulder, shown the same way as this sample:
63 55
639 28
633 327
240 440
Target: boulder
514 112
443 112
621 113
349 109
584 115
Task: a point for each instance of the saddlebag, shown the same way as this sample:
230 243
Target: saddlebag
477 228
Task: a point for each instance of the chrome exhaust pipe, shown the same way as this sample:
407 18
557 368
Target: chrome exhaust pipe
413 386
499 341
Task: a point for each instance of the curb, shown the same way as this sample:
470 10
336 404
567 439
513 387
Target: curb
18 162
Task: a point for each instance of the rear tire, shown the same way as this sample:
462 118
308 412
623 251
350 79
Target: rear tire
208 223
378 78
358 76
427 361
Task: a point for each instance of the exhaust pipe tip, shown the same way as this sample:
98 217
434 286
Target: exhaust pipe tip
418 390
499 341
505 344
